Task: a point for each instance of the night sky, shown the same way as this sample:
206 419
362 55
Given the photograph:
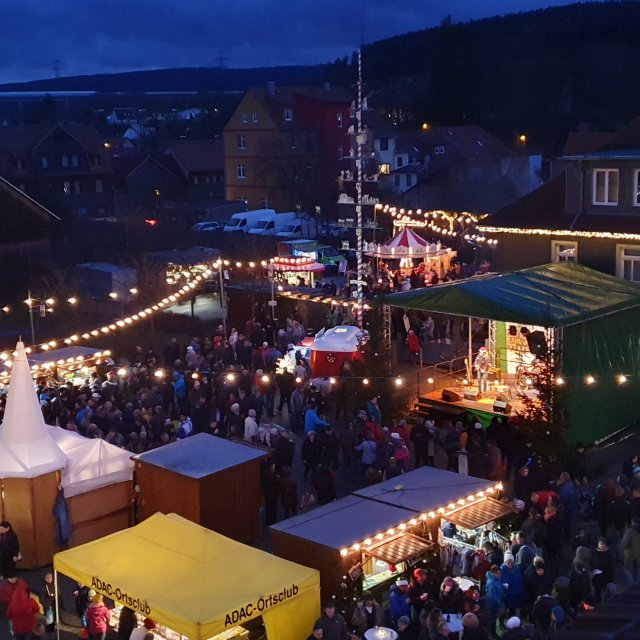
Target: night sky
38 37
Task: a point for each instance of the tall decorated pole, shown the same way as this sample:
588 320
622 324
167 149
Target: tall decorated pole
360 140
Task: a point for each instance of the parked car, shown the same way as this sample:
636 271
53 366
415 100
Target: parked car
330 230
207 226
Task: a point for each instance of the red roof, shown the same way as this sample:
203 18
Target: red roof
406 239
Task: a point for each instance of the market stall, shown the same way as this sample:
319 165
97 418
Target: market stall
333 347
36 459
97 485
379 532
407 251
195 583
67 364
31 465
295 271
209 480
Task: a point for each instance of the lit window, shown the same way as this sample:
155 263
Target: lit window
564 251
384 169
288 114
628 262
242 141
241 172
605 186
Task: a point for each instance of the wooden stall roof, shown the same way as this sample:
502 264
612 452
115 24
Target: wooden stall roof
201 455
424 489
479 513
344 522
400 548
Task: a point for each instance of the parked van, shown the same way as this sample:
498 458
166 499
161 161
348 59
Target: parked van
270 224
304 228
246 220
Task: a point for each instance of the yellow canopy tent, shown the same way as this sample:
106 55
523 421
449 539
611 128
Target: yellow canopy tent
195 581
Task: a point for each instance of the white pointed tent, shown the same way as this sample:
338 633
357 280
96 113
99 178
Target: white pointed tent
27 448
37 459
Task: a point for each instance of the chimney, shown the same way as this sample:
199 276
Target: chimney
271 88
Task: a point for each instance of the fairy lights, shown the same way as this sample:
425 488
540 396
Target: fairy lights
560 232
405 526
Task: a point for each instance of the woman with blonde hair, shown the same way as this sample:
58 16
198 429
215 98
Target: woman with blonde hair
98 617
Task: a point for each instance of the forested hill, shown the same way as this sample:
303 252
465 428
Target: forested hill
540 72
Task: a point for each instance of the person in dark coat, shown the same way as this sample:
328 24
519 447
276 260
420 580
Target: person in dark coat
284 451
310 454
127 622
604 566
477 461
288 493
9 549
537 582
451 596
324 482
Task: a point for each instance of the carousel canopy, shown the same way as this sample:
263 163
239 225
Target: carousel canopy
406 244
551 295
27 448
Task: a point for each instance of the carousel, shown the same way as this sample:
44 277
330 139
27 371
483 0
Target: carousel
296 272
407 251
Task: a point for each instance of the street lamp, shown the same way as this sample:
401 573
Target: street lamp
44 306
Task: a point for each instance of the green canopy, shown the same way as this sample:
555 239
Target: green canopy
558 294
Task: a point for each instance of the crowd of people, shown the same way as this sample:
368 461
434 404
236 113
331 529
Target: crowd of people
571 546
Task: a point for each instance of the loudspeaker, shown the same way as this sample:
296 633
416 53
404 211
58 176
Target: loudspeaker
537 342
501 406
472 394
450 396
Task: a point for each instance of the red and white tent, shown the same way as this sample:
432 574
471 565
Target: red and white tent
406 244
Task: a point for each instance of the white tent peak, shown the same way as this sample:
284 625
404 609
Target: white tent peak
27 449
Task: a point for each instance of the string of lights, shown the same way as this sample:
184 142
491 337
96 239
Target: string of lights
443 511
560 232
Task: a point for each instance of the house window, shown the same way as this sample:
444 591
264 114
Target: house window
99 186
265 203
241 172
288 114
74 160
605 186
384 144
254 116
195 180
438 150
564 251
339 119
66 187
64 161
96 160
242 141
294 141
340 154
636 188
628 262
384 169
76 187
245 118
207 179
399 161
397 177
44 162
408 179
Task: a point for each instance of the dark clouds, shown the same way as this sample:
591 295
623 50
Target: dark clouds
108 36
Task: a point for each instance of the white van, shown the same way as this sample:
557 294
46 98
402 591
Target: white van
246 220
303 229
269 225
